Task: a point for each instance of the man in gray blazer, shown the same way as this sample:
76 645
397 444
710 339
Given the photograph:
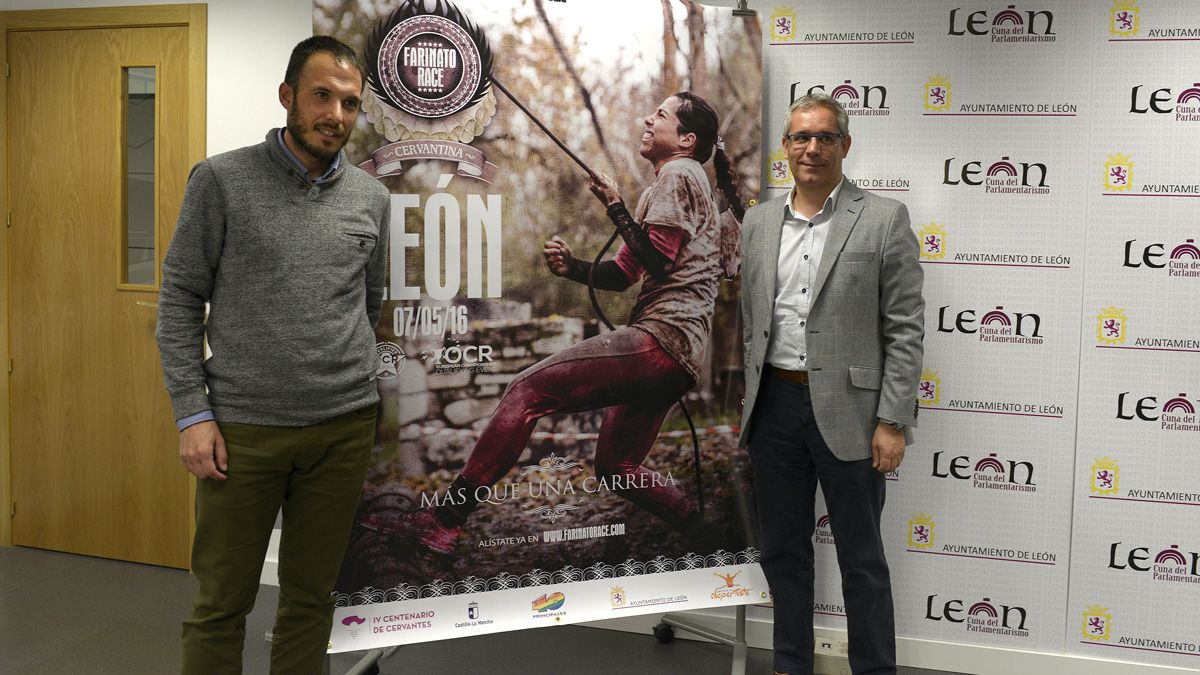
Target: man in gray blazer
834 319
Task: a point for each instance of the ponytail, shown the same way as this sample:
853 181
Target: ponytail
726 181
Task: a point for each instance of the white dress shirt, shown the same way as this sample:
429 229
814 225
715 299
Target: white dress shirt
800 249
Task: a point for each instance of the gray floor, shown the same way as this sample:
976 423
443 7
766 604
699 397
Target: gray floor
63 614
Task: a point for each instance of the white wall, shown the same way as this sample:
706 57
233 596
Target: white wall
248 48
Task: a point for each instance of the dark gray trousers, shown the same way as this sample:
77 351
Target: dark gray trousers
789 457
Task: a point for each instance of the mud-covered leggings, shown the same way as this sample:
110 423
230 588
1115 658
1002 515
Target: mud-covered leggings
625 371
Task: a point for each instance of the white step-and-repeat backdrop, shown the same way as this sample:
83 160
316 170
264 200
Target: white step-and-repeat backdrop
1049 153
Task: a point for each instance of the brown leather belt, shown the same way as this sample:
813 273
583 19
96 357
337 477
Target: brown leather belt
793 376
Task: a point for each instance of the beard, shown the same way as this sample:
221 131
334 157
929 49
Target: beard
298 131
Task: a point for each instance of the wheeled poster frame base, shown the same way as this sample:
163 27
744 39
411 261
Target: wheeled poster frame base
665 632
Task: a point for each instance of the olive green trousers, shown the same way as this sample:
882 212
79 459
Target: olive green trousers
315 475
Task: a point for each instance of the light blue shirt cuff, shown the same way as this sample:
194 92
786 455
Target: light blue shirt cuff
202 416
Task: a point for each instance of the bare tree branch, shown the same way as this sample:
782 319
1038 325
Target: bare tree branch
670 78
584 93
753 36
697 66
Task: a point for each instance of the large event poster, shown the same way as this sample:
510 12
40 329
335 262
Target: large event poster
581 522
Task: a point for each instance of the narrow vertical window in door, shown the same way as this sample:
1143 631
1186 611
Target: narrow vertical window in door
139 254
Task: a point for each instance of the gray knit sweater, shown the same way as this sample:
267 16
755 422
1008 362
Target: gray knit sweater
293 274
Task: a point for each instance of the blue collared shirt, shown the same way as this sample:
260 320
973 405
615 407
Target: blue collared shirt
333 166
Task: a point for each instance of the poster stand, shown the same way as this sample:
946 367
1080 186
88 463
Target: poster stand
665 632
369 663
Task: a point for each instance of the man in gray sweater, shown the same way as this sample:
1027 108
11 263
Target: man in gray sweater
286 242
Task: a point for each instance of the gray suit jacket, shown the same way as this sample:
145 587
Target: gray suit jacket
866 317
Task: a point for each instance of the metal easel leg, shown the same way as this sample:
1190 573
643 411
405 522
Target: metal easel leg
665 632
369 663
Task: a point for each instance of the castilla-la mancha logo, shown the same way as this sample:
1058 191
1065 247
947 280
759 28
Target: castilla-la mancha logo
1097 623
1112 326
429 68
779 174
933 241
937 94
1123 19
1118 173
920 532
783 24
929 389
1105 477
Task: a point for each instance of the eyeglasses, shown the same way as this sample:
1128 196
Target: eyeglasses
823 140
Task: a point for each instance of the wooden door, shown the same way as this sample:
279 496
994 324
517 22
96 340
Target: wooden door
95 467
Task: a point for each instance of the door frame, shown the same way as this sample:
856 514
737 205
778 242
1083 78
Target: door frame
192 16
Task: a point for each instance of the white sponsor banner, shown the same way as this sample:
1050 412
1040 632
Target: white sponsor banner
390 621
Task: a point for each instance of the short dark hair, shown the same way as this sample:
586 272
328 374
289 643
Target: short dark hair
819 100
340 51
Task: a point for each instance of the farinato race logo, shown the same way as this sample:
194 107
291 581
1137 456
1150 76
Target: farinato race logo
428 70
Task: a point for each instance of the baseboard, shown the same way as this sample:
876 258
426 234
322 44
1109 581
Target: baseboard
913 652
